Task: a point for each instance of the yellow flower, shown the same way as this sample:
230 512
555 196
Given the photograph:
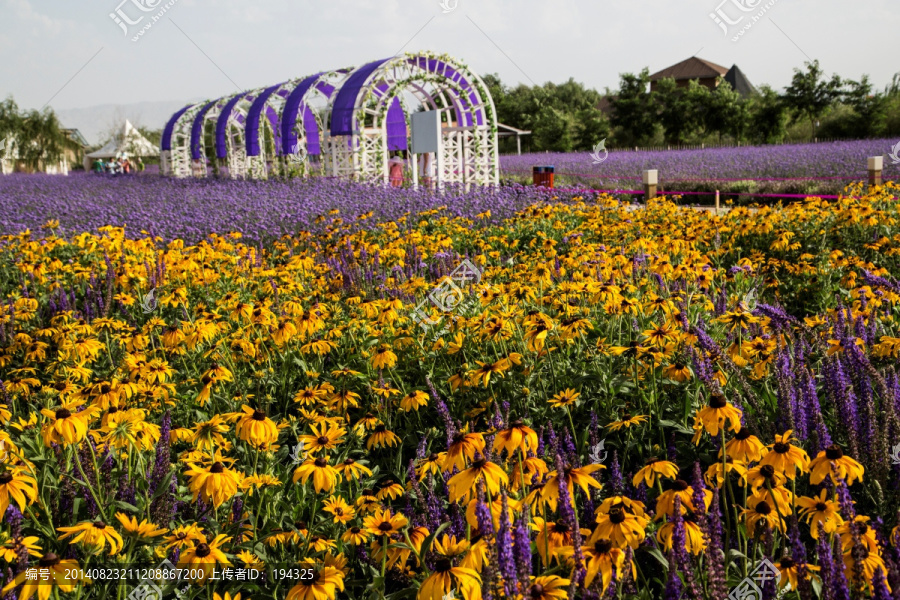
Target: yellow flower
66 427
831 462
655 468
204 558
16 484
95 535
254 427
716 413
786 458
384 524
463 483
324 476
214 484
62 574
144 529
564 398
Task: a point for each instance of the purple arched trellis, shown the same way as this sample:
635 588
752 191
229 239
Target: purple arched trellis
222 125
170 128
251 128
197 130
291 112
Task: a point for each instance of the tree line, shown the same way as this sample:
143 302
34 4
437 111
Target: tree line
34 137
568 117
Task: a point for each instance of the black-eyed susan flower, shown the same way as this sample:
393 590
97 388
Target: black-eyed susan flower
94 536
215 483
12 549
463 483
413 401
384 523
565 398
65 426
204 558
463 447
653 469
388 489
819 509
621 521
340 511
547 587
601 558
831 462
627 421
384 357
323 585
517 436
717 413
144 529
324 476
762 514
744 447
445 578
254 427
17 484
790 572
355 536
551 538
352 469
693 536
323 437
786 458
62 574
381 437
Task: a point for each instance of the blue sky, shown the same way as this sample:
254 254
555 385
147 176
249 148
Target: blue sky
74 52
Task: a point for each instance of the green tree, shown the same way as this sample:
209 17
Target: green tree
767 117
553 131
634 113
867 106
724 112
810 94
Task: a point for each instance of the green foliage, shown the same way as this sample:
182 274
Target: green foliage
810 94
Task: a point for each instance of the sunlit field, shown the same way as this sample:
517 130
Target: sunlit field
606 402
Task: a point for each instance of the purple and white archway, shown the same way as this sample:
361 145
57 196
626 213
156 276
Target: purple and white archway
346 121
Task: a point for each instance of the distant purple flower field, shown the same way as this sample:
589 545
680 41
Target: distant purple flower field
192 209
623 169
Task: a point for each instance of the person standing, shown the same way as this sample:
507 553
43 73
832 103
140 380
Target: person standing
395 171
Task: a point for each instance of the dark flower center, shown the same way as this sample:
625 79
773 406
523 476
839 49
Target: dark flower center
743 434
381 428
767 471
515 424
104 389
560 527
99 525
349 461
718 401
443 565
616 515
652 460
680 485
259 415
217 467
49 560
602 546
368 492
322 440
787 562
479 464
385 527
354 530
459 437
5 478
763 508
113 410
781 447
821 506
834 452
60 386
537 591
321 462
63 413
202 550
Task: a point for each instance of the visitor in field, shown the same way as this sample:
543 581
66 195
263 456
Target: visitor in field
395 171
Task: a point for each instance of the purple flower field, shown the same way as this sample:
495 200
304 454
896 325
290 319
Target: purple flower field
260 210
692 169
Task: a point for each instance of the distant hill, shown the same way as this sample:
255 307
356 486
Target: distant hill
97 122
